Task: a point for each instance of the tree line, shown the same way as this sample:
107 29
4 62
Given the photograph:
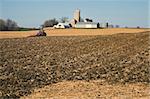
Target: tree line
54 21
11 25
8 25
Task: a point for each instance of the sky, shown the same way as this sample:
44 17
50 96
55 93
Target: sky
33 13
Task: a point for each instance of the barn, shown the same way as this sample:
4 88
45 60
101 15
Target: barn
87 25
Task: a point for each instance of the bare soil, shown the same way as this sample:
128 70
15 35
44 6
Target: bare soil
120 60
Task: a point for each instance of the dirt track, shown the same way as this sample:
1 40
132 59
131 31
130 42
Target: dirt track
70 32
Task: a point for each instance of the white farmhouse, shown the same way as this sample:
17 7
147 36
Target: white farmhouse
62 25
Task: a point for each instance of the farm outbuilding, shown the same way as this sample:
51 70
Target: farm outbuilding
86 25
62 25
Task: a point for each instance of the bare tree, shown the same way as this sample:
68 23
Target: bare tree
50 23
8 25
11 25
117 26
2 25
64 19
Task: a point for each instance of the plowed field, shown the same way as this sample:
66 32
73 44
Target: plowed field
98 66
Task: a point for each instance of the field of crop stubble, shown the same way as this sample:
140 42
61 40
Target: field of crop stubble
98 66
70 32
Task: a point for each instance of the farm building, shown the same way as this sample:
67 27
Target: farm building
76 18
62 25
87 25
77 15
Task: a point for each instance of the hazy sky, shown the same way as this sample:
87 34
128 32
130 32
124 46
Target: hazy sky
32 13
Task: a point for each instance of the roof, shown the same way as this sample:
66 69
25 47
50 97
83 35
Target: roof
83 23
63 24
